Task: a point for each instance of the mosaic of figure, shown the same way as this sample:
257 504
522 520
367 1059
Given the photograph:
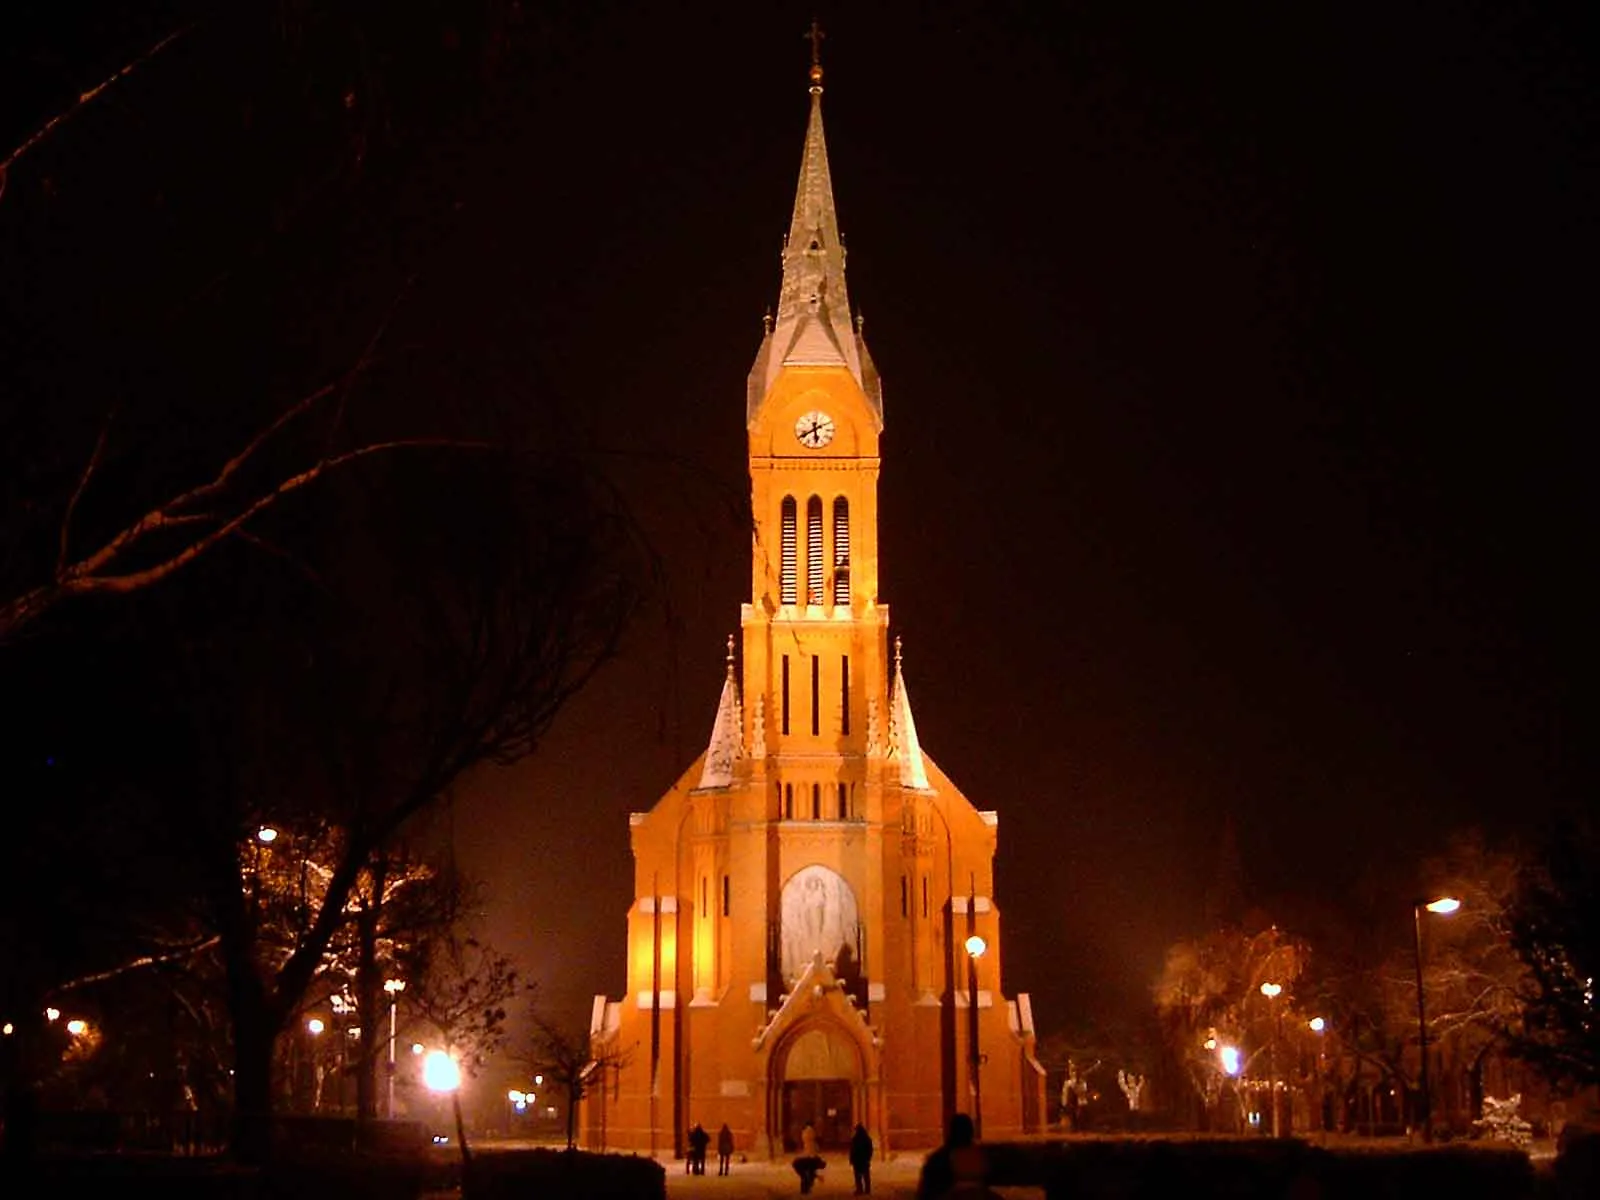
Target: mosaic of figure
819 914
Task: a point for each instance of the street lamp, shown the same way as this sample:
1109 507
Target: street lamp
1317 1025
975 946
1271 991
441 1074
266 835
1443 906
394 987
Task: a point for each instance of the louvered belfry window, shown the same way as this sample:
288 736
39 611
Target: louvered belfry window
814 550
786 577
841 550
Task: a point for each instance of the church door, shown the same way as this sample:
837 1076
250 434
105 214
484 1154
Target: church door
824 1104
820 1073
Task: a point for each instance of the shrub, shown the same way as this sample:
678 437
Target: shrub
504 1174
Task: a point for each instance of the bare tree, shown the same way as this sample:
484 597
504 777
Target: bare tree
570 1062
461 987
500 597
1555 929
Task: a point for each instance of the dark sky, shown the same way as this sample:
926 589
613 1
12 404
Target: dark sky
1232 373
1233 363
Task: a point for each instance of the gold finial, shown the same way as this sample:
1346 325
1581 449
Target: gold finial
897 654
815 36
730 656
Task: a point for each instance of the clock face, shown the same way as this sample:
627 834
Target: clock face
814 429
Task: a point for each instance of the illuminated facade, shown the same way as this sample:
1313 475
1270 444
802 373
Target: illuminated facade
804 892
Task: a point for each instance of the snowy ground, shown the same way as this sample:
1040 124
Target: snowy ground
895 1179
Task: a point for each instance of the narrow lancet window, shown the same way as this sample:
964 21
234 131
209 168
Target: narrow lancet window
816 695
816 802
844 693
844 803
786 577
785 707
841 550
814 550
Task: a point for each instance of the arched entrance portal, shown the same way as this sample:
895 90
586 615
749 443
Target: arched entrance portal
821 1086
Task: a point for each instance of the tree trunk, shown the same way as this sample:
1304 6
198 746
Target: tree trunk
369 991
254 1035
1475 1085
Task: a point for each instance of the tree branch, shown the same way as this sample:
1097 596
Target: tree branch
77 493
49 127
139 964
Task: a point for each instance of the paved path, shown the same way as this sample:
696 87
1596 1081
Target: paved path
895 1179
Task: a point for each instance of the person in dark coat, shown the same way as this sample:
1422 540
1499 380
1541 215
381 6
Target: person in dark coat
724 1148
699 1139
861 1160
957 1168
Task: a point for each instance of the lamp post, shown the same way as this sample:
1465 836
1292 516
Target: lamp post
1271 992
314 1027
1443 906
975 947
394 987
441 1074
1317 1025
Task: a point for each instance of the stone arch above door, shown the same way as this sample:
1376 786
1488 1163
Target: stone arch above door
819 916
821 1051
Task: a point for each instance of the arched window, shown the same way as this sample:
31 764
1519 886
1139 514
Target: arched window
786 576
816 802
814 550
844 803
841 550
788 802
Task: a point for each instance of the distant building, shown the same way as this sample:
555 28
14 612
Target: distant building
804 893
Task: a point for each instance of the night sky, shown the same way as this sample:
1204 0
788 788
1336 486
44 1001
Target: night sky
1233 361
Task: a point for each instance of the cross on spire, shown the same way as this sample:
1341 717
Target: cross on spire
815 36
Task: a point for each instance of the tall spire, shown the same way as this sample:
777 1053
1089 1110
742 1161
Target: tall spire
727 733
813 325
903 743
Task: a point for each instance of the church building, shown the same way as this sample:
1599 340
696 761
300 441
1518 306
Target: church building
813 938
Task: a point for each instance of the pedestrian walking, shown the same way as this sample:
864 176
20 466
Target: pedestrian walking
724 1148
861 1160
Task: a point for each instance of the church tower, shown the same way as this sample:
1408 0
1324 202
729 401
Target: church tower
806 893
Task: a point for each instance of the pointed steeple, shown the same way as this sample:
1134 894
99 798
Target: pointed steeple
903 743
727 733
814 326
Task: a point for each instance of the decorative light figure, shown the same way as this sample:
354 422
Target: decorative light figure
1229 1056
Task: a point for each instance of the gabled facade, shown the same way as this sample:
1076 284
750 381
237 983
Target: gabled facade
804 892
